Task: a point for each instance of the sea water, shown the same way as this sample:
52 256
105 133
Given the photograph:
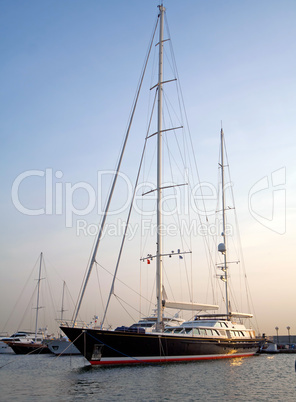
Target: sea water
66 378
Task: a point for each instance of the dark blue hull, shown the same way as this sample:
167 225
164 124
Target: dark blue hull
101 347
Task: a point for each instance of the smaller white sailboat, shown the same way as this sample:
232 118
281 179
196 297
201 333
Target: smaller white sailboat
30 342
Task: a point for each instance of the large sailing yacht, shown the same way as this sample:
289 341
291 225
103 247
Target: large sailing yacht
208 335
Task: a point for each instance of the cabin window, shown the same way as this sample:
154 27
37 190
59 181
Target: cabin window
178 330
237 333
195 331
142 325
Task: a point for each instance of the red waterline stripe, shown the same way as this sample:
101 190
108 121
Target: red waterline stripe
164 360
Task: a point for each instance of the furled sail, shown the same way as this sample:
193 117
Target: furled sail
189 306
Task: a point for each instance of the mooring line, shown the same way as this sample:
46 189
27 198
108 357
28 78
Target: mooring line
118 351
57 356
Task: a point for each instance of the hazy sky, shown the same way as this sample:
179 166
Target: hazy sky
69 72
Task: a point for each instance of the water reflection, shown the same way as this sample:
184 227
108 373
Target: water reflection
237 361
260 378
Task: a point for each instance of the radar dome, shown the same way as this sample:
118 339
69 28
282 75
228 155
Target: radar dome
221 248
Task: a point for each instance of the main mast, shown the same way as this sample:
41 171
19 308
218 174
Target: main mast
224 249
37 302
159 178
62 307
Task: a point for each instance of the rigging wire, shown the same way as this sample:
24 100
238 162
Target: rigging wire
20 297
209 255
240 252
100 290
120 281
126 227
96 245
121 301
47 284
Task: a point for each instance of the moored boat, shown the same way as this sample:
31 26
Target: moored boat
205 336
4 348
26 348
30 342
63 347
23 342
